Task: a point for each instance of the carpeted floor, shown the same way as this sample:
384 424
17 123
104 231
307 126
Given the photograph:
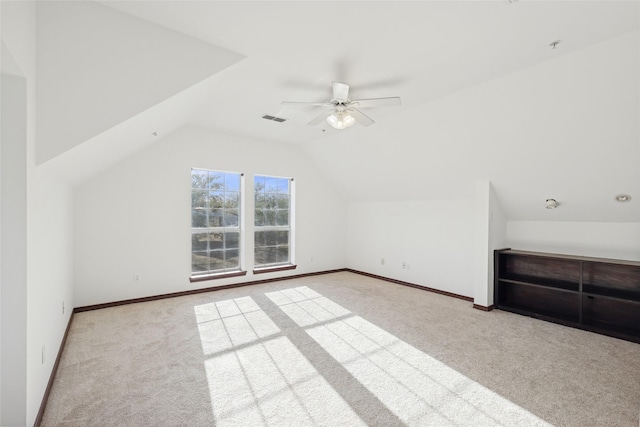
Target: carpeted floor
337 350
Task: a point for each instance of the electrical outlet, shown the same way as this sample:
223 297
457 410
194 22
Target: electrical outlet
311 259
381 261
62 307
136 278
43 354
405 265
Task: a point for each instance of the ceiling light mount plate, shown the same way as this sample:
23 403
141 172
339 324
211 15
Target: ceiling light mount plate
551 203
623 198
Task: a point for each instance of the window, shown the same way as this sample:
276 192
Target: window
216 225
273 221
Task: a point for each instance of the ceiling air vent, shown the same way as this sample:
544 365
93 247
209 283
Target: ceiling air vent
273 118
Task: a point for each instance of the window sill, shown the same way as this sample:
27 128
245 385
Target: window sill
216 276
274 268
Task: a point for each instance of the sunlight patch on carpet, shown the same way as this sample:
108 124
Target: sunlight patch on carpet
417 388
257 376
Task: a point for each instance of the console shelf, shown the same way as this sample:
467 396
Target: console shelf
597 294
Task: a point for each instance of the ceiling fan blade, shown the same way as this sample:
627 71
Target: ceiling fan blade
393 101
320 118
360 117
340 91
311 104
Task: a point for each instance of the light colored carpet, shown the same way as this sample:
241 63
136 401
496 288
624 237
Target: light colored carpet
336 350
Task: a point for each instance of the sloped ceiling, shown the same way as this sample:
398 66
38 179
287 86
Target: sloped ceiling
98 68
419 50
484 94
567 129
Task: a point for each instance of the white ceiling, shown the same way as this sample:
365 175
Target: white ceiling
418 50
429 53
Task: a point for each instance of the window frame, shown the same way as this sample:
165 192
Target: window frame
196 276
290 227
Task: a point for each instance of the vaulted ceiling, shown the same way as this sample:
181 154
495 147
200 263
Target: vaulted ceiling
484 93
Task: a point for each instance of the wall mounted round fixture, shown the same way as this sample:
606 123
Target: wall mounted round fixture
623 197
552 204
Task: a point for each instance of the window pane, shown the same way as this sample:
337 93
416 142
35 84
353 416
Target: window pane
269 201
214 218
232 240
259 218
260 201
270 257
271 238
198 218
199 179
260 238
216 180
198 199
199 242
216 260
283 186
216 240
232 181
283 237
216 199
271 184
282 217
232 260
232 200
282 254
199 261
258 184
260 256
269 217
282 201
231 218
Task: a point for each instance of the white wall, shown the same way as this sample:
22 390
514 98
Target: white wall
13 199
135 217
497 238
50 278
45 280
598 239
435 237
490 234
481 264
13 281
448 244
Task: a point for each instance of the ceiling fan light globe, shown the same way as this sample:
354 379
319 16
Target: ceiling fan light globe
348 120
341 120
335 121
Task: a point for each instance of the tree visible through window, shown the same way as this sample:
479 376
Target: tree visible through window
273 218
215 221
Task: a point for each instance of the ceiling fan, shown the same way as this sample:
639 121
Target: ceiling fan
343 112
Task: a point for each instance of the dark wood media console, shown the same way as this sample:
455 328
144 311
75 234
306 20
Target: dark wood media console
597 294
